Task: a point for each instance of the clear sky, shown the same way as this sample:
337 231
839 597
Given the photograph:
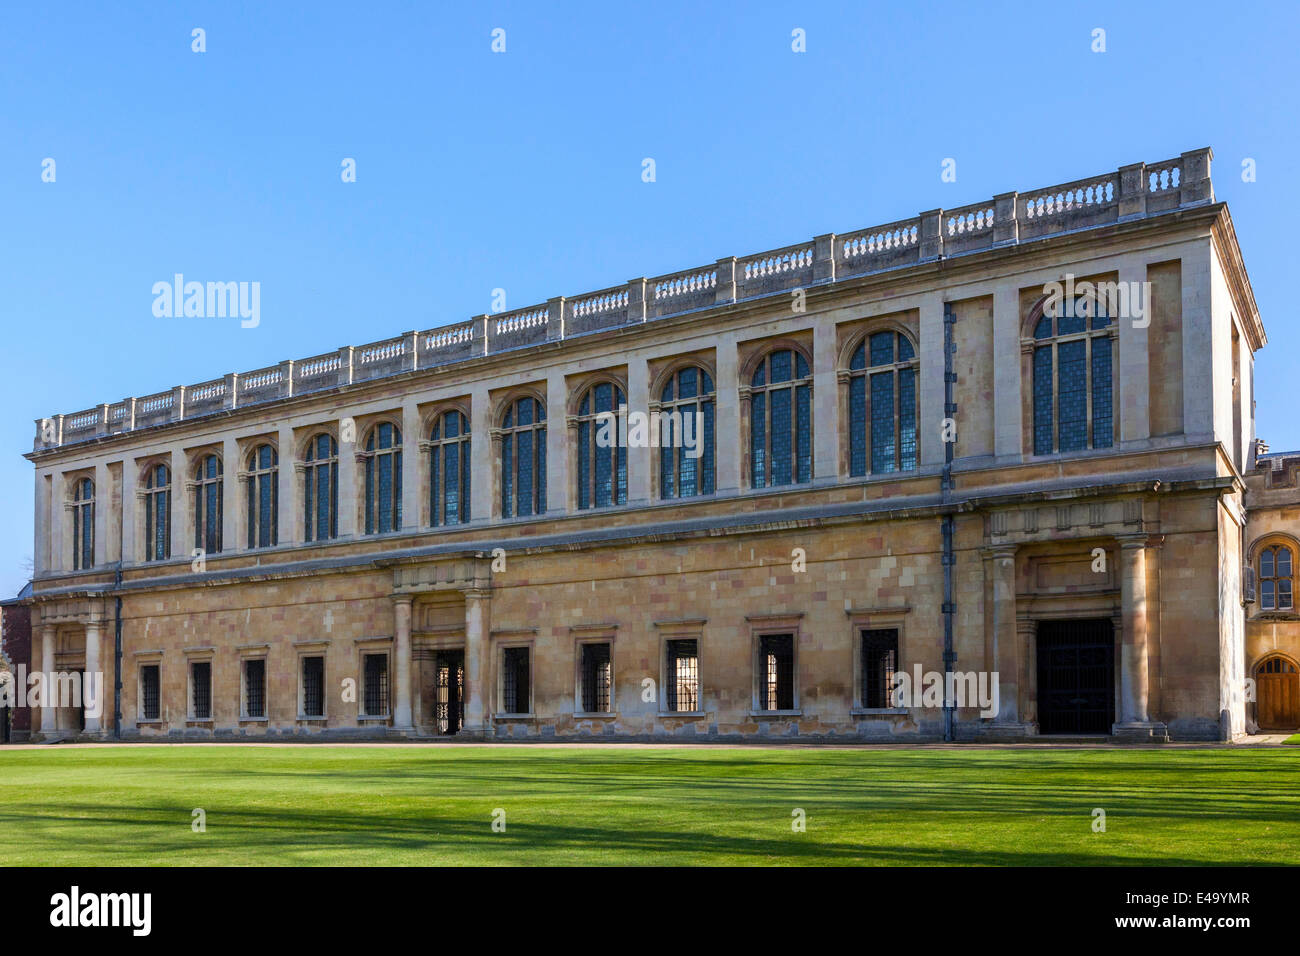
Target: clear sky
522 170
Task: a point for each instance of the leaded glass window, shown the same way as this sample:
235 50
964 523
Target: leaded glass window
686 439
208 504
83 524
321 489
157 513
780 420
523 459
602 453
882 405
1275 578
263 492
1073 380
449 469
383 457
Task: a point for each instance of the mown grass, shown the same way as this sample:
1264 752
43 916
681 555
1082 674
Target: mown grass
318 805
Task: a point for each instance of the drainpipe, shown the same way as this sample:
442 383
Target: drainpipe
949 557
117 653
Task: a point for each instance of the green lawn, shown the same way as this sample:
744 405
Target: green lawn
433 805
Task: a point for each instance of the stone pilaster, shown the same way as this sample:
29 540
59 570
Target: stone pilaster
1135 719
402 663
478 662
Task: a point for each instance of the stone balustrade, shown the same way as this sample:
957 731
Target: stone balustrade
1131 192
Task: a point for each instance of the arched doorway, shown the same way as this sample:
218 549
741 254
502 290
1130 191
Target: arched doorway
1277 694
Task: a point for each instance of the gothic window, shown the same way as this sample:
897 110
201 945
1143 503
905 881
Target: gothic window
1276 579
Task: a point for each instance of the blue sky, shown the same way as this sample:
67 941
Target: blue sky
522 170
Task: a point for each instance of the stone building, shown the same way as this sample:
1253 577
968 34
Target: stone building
923 435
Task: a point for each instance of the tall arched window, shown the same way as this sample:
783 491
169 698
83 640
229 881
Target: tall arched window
207 504
263 492
384 479
1073 385
602 456
157 513
449 469
523 459
882 405
686 453
83 524
1276 583
780 420
321 489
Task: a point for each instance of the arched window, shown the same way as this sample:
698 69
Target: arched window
523 459
602 455
1072 384
1276 568
449 469
263 497
207 505
686 453
780 420
157 513
321 489
83 525
882 405
384 479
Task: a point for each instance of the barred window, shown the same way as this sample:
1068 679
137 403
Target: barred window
208 505
776 674
879 649
321 489
597 678
375 674
523 459
83 525
1072 379
683 675
516 695
449 469
780 420
150 695
882 405
263 490
1275 578
255 687
686 453
313 687
602 456
201 690
157 513
383 457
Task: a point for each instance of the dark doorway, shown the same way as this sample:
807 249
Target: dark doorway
1277 695
1076 677
449 694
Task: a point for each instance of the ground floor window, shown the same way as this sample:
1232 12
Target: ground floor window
313 687
682 676
375 693
149 692
201 690
255 688
879 662
597 678
776 672
516 696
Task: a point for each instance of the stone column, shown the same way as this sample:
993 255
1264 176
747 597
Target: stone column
557 443
232 492
729 452
1027 634
478 662
93 667
1005 636
289 475
129 511
181 534
639 458
826 404
402 662
411 466
1135 719
48 713
347 490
